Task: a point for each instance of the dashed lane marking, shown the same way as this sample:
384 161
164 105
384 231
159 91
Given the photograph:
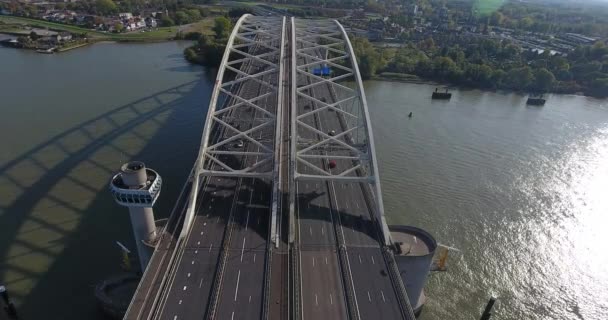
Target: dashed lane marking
236 290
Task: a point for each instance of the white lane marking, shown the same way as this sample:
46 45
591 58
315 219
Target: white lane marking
188 274
331 299
323 230
238 279
360 259
249 299
175 318
192 261
180 302
198 243
212 199
373 261
369 297
316 299
195 251
201 283
243 249
202 233
313 262
204 224
247 221
325 260
232 315
382 293
211 246
185 288
254 258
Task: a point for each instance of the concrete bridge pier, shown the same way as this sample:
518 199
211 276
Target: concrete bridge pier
137 188
414 256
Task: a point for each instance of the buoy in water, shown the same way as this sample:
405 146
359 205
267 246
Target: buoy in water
410 115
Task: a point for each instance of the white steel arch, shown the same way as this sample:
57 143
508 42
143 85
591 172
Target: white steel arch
326 77
244 109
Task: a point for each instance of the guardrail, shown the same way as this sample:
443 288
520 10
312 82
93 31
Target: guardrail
393 270
294 260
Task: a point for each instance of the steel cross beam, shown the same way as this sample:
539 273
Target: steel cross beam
317 46
244 107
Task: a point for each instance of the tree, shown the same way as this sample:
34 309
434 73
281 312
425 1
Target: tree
222 27
518 78
118 27
543 80
181 18
106 7
445 68
167 22
194 15
496 18
367 56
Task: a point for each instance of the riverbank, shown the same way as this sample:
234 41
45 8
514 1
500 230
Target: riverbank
20 26
410 78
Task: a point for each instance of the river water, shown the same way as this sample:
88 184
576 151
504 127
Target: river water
517 190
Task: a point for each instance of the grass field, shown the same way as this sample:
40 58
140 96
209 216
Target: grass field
12 24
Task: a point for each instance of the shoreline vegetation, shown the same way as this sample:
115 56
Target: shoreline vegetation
22 27
489 65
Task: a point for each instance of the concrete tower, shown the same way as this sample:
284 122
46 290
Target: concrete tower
414 257
137 188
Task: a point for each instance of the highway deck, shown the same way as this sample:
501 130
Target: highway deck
235 246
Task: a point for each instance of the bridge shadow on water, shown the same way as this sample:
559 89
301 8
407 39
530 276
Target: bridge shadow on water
58 223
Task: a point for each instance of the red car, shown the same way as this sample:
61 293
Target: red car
332 164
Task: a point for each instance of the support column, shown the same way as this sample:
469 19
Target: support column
137 188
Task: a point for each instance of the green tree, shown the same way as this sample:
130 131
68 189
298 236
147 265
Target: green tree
543 80
194 15
118 27
518 78
496 18
106 7
181 18
222 27
167 22
368 58
445 68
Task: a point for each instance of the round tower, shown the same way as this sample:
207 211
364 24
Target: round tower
137 188
414 256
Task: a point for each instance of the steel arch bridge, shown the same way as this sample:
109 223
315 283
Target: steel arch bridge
315 44
286 172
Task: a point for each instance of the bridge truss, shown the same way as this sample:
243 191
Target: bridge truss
319 46
253 53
